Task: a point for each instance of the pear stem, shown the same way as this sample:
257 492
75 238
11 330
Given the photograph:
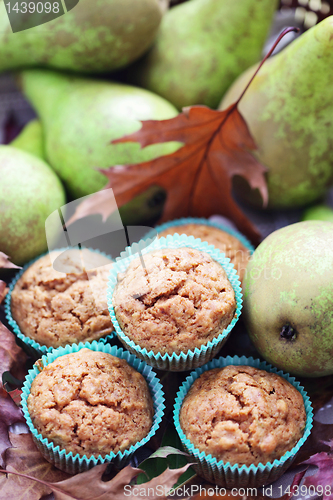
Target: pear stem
277 41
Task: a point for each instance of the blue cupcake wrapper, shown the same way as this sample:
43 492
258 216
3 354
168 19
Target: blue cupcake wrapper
185 360
196 220
74 464
31 346
225 474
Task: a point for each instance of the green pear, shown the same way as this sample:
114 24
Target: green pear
289 110
94 36
318 212
201 48
30 139
81 117
288 298
29 192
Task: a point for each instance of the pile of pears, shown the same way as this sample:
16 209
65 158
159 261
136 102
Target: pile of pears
95 72
79 115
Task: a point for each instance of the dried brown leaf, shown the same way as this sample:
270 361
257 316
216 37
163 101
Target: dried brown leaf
197 177
12 357
9 415
80 487
85 486
6 263
24 458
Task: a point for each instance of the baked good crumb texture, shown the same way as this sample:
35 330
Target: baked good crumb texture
59 308
233 248
91 403
179 300
243 415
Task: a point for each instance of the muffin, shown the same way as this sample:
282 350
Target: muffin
178 301
56 308
243 415
235 413
90 403
228 243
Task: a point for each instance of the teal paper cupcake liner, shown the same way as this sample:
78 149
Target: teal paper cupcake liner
31 346
74 464
196 220
185 360
234 476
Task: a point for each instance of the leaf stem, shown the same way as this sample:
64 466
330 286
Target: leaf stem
53 487
277 41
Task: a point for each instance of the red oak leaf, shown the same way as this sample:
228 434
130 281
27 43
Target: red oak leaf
197 177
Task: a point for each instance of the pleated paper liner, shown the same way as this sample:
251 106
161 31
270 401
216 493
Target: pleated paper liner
192 358
74 464
235 476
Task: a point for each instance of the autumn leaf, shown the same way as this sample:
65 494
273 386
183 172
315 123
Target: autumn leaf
79 487
12 357
89 485
24 457
6 263
9 414
322 479
197 177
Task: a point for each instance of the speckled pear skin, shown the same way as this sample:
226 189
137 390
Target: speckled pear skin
289 281
29 192
81 117
201 48
30 139
289 110
95 36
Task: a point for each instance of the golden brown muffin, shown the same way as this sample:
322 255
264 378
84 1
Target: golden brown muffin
91 403
180 300
243 415
56 308
238 254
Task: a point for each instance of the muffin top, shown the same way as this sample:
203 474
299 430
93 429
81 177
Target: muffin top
91 403
243 415
238 254
179 300
58 308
